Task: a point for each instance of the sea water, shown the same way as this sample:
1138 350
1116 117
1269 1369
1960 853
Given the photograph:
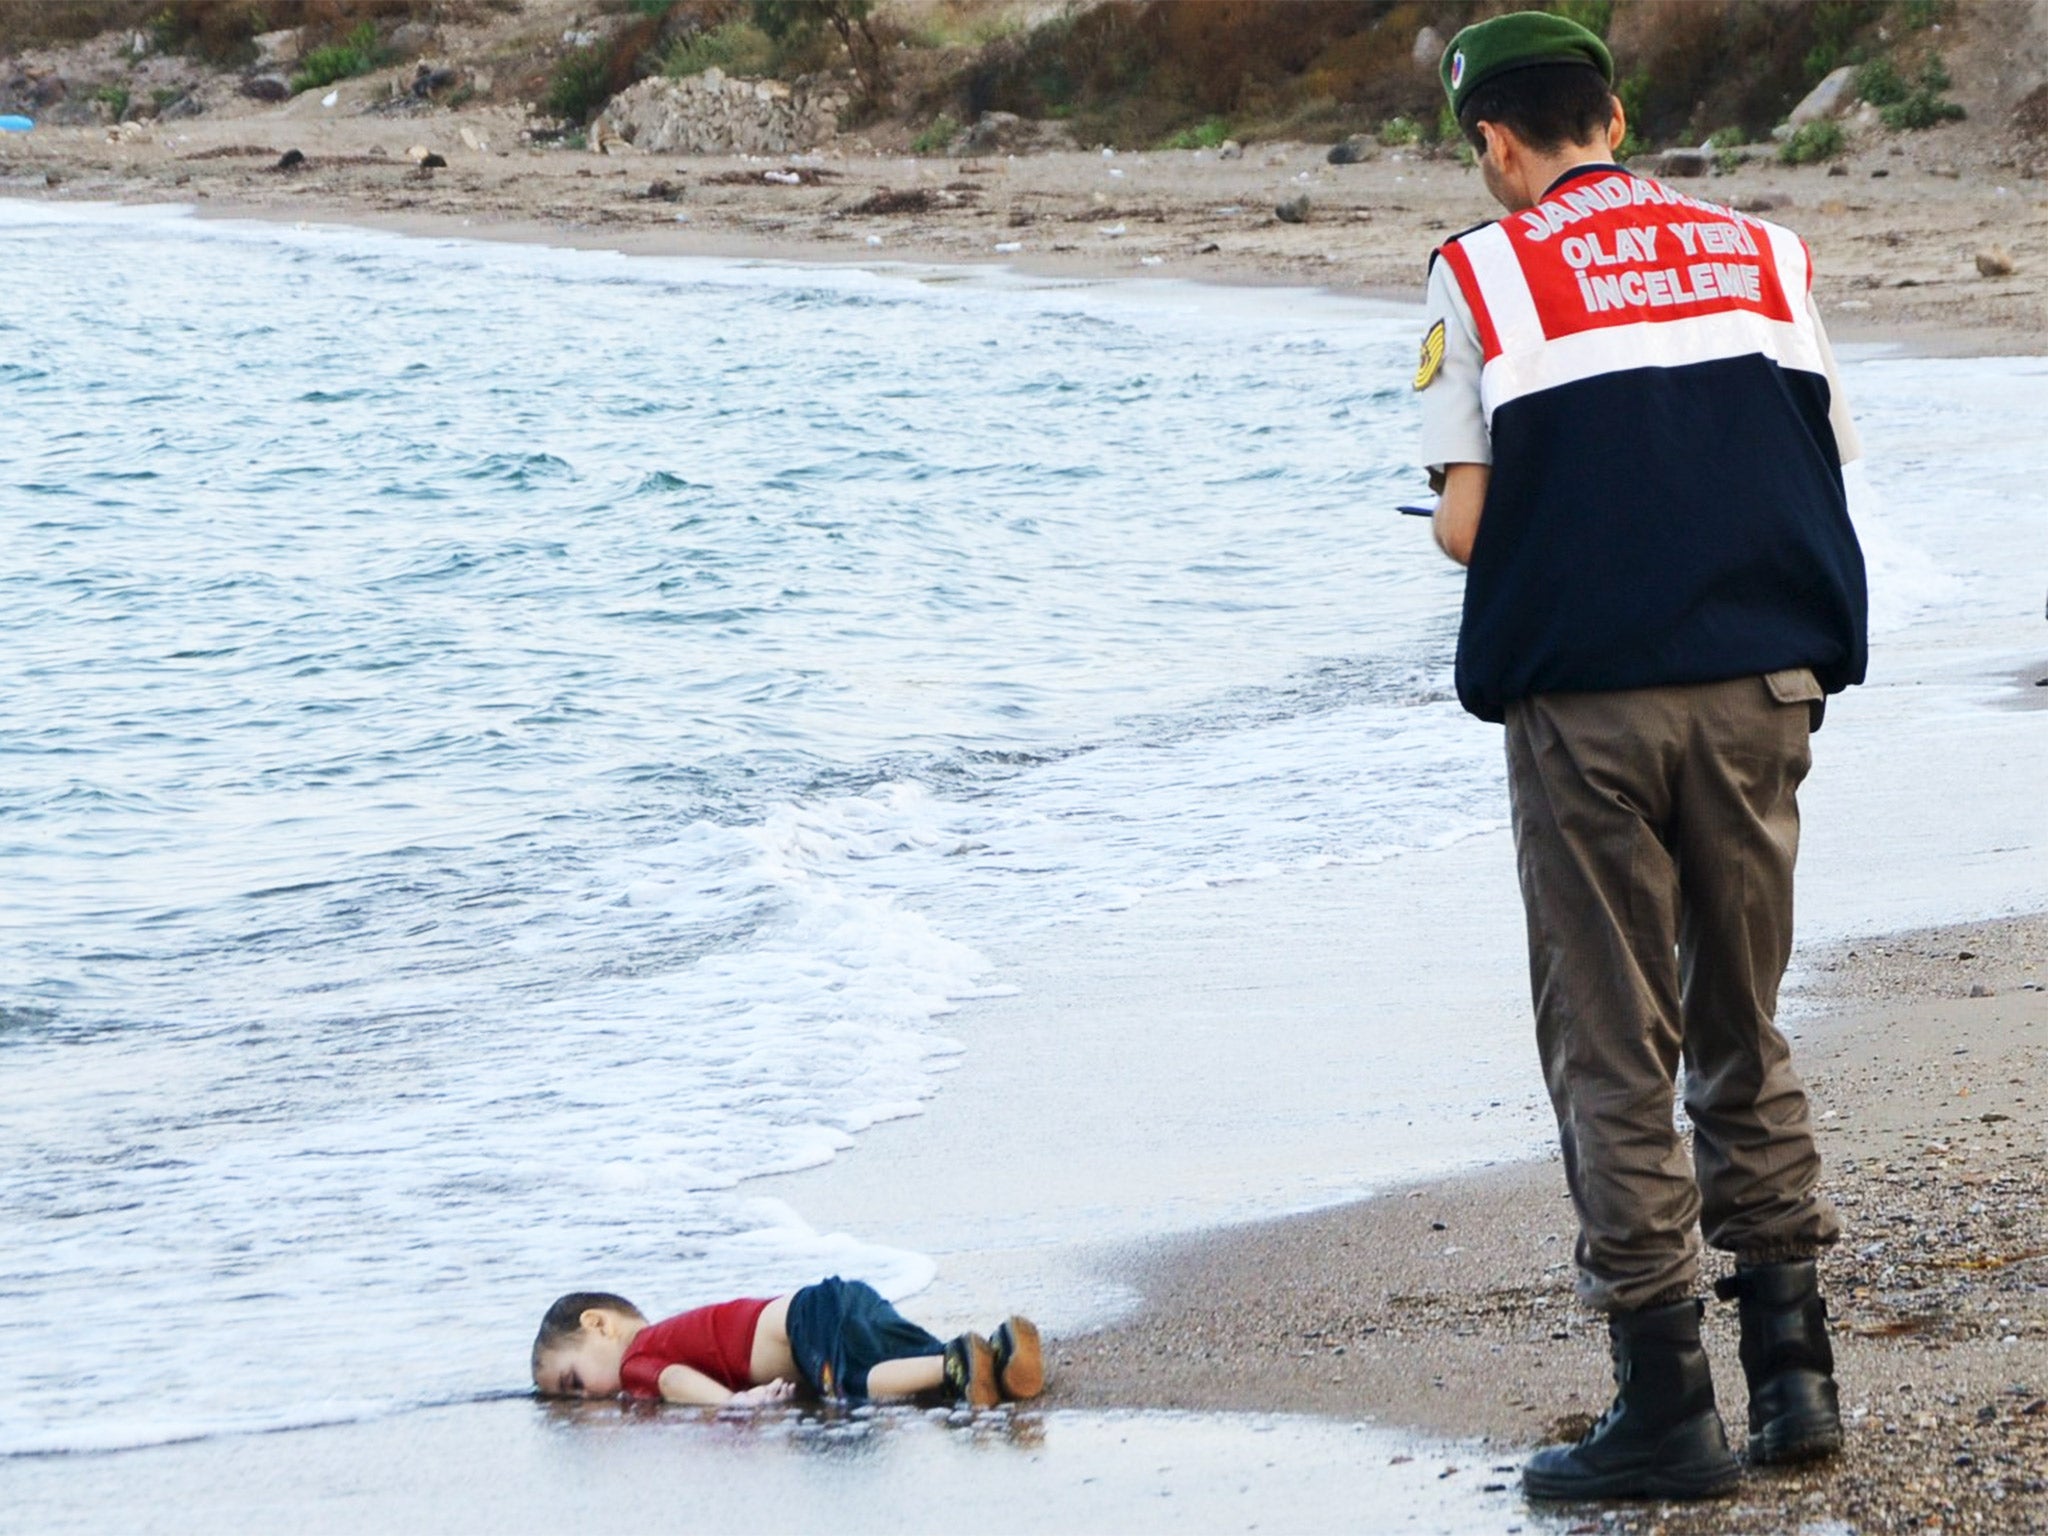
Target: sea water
505 744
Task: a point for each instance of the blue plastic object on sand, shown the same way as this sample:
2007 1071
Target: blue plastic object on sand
16 124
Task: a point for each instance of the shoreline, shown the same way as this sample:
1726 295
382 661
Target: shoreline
1488 1297
1451 1309
1905 338
1894 228
1418 1376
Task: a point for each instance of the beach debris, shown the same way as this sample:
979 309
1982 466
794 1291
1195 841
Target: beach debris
1994 261
419 154
1761 202
271 88
1008 247
789 176
1351 151
1112 231
661 190
291 160
330 98
1151 261
1295 210
874 239
1230 149
475 142
886 200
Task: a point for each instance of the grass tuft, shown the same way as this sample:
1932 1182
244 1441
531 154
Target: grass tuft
356 54
1811 143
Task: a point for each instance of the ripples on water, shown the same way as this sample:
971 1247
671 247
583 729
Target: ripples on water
503 744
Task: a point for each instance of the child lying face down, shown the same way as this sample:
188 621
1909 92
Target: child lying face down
839 1338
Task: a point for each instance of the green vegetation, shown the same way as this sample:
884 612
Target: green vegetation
738 47
1879 83
580 84
1811 143
1206 134
1923 106
1727 146
952 29
1399 130
1596 16
938 133
1922 109
356 54
1919 15
1834 25
114 98
791 24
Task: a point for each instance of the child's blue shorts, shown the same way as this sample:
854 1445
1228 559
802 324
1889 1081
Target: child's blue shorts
839 1330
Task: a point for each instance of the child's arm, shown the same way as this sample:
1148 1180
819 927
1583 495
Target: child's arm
681 1384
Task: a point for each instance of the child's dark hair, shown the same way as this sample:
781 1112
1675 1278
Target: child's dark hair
1547 105
564 1320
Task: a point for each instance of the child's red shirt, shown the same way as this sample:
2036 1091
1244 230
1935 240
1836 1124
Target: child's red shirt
717 1340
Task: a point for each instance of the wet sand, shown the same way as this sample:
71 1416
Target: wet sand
1400 1354
1448 1306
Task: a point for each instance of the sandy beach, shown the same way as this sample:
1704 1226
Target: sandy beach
1437 1313
1448 1306
1895 227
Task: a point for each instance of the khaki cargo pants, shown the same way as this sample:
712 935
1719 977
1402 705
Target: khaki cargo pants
1655 833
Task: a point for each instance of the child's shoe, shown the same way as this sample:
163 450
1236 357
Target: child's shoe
1020 1361
971 1371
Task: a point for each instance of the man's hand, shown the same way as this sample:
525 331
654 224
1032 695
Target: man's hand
763 1396
1456 524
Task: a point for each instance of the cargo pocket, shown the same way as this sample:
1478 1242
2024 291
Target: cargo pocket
1798 685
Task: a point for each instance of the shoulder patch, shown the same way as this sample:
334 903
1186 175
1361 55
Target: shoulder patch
1432 360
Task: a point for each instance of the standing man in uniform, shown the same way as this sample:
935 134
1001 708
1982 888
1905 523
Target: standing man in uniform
1631 413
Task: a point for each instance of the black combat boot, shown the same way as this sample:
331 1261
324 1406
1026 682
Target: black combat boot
1793 1412
1662 1439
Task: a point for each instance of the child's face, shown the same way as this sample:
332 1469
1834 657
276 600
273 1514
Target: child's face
588 1364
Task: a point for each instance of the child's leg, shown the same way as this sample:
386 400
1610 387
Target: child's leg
906 1377
886 1354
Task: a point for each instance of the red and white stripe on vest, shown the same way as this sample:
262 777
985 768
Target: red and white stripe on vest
1614 271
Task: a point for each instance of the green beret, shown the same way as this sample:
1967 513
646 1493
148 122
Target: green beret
1491 48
